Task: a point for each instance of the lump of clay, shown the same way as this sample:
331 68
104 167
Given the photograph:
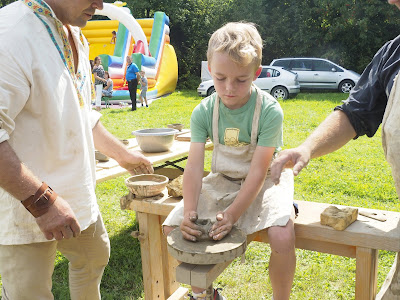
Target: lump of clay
337 218
175 187
205 227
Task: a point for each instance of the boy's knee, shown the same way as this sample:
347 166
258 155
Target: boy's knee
281 239
167 229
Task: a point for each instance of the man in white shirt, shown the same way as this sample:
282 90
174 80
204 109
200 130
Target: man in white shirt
47 137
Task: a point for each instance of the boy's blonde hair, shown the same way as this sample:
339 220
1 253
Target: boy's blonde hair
240 40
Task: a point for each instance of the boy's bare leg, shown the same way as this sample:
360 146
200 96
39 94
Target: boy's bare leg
282 264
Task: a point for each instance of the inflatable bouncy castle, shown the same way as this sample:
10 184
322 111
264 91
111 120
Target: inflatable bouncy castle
145 40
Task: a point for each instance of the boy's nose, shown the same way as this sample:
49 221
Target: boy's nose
98 4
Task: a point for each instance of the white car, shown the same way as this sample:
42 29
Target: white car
319 73
277 81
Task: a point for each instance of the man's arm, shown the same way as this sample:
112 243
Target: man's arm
19 181
134 161
333 133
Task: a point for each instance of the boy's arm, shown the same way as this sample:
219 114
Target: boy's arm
192 181
248 192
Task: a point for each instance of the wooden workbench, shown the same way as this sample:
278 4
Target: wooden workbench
361 240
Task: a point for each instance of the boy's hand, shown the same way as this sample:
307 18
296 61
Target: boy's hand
222 227
190 231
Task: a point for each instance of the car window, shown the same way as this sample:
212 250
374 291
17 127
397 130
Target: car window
301 65
282 63
269 72
321 65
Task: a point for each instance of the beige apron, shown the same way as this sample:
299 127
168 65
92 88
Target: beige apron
391 146
230 166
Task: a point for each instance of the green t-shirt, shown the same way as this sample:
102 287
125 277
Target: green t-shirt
234 126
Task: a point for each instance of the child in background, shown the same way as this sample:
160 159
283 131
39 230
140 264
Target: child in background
245 125
108 88
114 37
143 88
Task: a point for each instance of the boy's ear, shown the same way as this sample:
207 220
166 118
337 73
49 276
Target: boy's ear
258 72
208 66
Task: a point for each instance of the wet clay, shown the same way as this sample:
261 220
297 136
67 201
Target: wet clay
205 228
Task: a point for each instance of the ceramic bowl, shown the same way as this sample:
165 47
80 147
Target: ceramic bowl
146 185
156 139
177 126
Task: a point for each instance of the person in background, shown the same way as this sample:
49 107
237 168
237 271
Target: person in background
245 125
132 77
98 72
48 135
108 88
114 37
143 88
373 101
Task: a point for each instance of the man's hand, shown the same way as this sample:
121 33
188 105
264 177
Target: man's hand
190 231
222 227
59 222
296 158
136 163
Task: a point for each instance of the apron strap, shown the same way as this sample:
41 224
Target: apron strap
215 120
256 116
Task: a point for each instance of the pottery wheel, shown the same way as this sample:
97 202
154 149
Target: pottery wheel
207 252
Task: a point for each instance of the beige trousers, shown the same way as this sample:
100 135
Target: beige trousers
26 270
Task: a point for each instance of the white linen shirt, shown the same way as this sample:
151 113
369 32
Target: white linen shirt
42 120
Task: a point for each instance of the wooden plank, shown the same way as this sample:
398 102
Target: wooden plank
185 137
366 273
156 266
169 266
203 276
365 232
310 244
183 273
158 205
145 253
179 294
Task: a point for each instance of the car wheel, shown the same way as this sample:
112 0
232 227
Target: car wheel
280 93
346 86
210 91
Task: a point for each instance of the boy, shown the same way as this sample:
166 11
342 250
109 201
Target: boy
143 88
245 125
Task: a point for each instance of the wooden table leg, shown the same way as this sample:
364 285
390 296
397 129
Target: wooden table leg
152 256
366 273
169 267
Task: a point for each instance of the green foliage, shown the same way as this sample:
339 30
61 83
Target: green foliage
347 32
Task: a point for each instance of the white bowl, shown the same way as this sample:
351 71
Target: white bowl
155 139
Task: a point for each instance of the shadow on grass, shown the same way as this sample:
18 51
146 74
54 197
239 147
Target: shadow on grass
122 277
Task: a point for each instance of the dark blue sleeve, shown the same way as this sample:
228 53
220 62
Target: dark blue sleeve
367 102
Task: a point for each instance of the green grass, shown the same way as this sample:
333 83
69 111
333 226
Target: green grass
355 175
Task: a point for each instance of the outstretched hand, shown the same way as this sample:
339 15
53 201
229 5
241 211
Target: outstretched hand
222 227
296 158
59 222
136 163
190 231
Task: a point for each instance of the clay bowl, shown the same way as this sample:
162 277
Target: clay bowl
156 139
177 126
146 185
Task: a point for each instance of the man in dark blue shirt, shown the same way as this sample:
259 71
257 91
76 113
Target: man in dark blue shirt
374 100
132 76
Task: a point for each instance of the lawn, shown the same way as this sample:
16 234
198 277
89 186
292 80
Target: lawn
356 175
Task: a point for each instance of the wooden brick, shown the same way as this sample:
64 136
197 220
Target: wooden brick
337 218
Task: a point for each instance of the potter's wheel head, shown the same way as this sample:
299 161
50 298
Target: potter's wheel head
207 252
